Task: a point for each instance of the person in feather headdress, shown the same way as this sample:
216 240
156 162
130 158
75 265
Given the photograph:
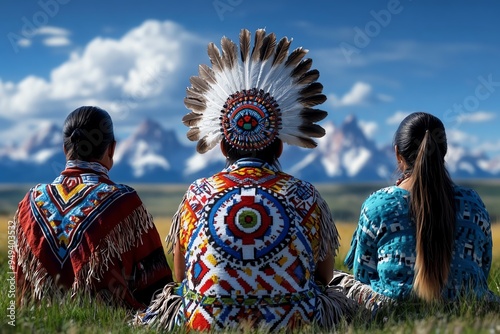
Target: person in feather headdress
84 235
252 244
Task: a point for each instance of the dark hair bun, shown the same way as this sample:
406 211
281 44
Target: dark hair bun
76 136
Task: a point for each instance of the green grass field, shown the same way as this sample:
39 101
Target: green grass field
345 201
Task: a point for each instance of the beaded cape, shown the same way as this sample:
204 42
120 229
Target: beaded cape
251 236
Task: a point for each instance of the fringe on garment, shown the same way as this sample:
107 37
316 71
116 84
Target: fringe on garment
361 293
330 239
121 239
39 285
335 307
165 312
173 235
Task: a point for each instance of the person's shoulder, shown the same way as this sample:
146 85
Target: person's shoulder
467 194
387 195
119 189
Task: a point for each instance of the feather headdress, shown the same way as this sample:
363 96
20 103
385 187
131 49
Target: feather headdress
257 96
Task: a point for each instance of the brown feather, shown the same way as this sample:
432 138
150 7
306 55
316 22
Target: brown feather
307 142
259 37
281 51
199 84
203 146
312 101
244 44
229 52
295 57
313 115
312 130
215 58
195 104
302 67
191 119
206 73
312 89
194 93
193 134
308 77
268 46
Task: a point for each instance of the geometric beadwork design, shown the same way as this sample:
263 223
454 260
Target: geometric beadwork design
250 120
383 247
251 237
248 224
65 211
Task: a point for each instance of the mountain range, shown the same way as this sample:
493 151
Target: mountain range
155 154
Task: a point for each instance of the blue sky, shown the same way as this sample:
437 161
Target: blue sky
379 60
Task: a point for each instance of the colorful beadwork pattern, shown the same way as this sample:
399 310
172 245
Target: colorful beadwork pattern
252 236
64 211
382 252
251 119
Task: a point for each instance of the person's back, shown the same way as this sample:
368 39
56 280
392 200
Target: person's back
252 245
388 245
425 237
83 234
253 236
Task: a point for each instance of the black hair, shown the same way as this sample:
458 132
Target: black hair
87 133
421 142
268 154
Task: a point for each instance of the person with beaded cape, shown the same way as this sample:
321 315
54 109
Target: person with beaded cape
253 246
424 239
83 235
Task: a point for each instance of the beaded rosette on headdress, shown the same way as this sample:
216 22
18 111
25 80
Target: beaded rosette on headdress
251 100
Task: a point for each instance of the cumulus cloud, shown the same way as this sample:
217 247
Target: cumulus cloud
140 74
360 94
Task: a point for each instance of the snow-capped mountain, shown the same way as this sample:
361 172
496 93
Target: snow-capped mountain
344 154
151 153
154 154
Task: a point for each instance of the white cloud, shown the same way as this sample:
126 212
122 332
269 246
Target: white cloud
489 146
360 94
24 42
52 31
460 137
397 117
51 36
57 41
132 77
477 117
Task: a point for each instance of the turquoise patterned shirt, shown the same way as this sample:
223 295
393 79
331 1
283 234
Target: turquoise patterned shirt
383 246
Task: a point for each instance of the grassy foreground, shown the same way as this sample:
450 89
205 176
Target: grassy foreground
90 317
